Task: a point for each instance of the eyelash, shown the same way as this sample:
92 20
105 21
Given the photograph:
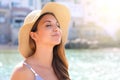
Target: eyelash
58 26
51 25
48 25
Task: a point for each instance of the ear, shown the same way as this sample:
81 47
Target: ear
33 35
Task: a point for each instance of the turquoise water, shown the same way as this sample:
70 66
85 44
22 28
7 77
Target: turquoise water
102 64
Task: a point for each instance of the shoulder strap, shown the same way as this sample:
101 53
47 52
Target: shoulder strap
29 67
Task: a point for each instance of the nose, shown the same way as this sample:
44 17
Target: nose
55 28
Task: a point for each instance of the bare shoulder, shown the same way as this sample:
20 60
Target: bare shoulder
21 72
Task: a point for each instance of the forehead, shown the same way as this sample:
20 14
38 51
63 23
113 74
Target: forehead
48 17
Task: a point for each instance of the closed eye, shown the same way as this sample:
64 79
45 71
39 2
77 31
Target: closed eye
48 25
58 26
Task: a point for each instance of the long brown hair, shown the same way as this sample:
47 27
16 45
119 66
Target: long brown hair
59 62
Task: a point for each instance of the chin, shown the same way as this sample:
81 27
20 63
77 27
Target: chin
56 43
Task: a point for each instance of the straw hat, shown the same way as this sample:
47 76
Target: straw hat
60 11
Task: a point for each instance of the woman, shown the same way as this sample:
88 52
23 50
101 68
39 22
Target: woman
41 42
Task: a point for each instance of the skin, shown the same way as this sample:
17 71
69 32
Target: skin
48 35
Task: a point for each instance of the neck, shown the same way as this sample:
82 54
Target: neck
44 56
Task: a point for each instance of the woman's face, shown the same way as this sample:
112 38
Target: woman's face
48 31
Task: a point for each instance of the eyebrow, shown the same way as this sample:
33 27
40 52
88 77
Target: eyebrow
48 21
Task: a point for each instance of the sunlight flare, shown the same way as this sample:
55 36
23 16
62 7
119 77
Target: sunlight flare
105 13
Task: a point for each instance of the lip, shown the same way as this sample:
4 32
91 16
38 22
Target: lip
56 34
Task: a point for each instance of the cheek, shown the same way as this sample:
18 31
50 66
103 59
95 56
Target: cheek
42 34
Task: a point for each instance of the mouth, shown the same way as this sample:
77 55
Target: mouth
56 35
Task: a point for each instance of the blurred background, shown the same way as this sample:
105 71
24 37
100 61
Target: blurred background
93 46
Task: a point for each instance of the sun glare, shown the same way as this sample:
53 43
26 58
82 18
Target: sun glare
108 14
